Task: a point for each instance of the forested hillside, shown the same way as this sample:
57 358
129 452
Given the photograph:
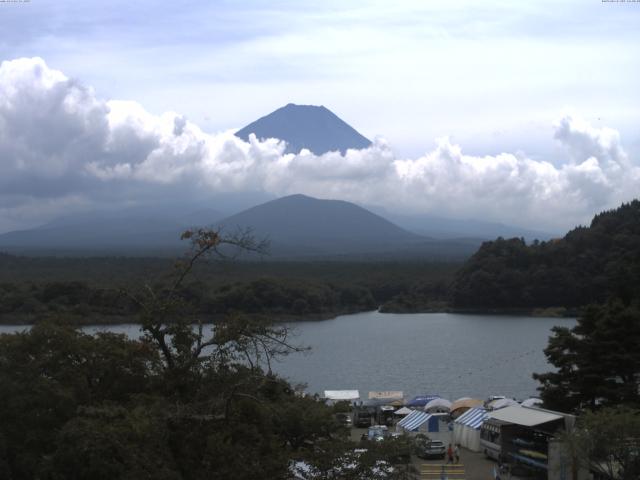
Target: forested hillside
590 264
91 290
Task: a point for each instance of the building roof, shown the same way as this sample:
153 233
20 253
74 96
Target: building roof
525 416
473 418
341 394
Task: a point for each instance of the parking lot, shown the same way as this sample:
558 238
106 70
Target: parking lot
472 466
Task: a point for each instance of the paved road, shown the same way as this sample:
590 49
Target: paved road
472 466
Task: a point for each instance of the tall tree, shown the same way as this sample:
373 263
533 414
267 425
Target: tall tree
597 361
607 442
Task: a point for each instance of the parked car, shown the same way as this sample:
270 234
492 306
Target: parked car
431 449
344 419
378 432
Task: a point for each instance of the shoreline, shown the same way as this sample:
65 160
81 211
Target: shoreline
557 312
97 319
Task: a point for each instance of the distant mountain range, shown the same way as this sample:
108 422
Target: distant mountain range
306 126
298 226
446 228
141 231
320 130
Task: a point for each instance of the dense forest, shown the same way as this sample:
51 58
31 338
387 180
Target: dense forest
273 297
93 290
590 264
178 403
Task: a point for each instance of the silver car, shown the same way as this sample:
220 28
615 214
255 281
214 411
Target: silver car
431 449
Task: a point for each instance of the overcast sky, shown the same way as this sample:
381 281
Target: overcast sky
522 112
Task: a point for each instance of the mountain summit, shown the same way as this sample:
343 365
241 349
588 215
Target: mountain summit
306 126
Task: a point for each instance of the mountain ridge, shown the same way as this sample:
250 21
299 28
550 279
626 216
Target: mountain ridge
298 226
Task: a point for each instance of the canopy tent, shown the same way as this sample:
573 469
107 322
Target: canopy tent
466 428
421 421
461 399
501 403
438 405
463 404
413 421
340 395
403 411
525 416
421 400
531 402
473 418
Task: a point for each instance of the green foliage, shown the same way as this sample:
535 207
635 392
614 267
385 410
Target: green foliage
46 374
338 459
110 442
597 361
183 402
607 442
273 297
587 265
89 290
424 297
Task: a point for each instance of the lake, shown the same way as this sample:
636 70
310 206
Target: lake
452 355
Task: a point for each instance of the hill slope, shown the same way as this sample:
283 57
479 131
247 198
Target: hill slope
306 126
142 232
588 265
301 225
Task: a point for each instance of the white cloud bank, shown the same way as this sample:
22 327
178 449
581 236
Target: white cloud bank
63 147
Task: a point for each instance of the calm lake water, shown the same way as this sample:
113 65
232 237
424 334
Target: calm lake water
451 355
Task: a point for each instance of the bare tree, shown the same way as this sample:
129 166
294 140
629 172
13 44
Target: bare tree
186 345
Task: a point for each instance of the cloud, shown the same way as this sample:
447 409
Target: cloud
62 147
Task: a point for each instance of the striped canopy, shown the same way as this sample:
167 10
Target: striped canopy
474 417
414 420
